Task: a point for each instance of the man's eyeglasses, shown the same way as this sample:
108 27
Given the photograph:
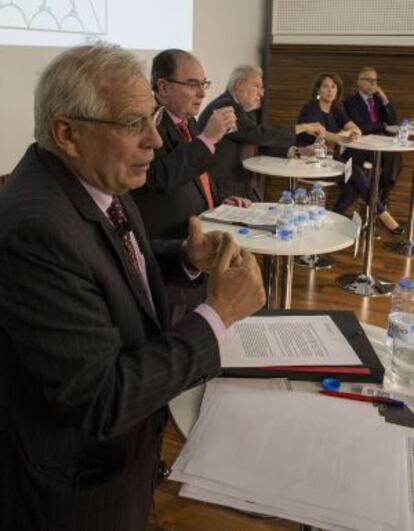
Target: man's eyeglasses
370 80
192 83
132 128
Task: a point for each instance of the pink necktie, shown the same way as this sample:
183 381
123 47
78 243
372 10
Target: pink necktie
119 219
371 109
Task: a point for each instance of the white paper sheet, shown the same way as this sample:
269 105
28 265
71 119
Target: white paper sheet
285 341
253 217
314 459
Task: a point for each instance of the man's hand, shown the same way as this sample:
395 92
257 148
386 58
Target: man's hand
307 151
201 249
233 200
313 128
235 286
219 123
381 94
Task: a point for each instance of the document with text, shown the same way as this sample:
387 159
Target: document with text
287 341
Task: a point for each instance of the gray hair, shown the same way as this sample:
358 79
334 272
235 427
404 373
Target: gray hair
241 73
366 69
72 85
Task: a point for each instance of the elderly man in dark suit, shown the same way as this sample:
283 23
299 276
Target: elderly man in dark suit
244 95
372 111
88 357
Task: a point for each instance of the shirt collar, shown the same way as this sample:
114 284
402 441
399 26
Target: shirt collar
365 97
175 119
102 199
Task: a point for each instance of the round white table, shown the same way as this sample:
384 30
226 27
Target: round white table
365 284
294 168
304 168
336 233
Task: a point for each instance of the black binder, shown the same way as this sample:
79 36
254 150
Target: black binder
371 369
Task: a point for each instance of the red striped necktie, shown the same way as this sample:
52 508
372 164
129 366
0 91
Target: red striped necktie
371 109
204 177
119 219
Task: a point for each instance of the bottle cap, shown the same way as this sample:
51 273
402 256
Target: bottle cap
331 384
407 283
300 191
244 231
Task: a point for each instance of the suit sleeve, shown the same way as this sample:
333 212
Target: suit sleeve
389 114
58 313
307 114
352 108
174 166
250 132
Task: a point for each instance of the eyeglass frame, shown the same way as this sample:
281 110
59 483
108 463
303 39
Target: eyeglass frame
133 127
192 83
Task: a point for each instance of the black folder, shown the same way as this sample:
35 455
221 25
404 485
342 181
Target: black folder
371 369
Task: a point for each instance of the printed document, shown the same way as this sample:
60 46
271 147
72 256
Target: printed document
312 340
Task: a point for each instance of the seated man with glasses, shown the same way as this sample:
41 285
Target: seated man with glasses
89 357
372 111
179 182
244 95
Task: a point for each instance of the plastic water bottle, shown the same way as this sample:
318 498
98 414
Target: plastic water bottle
286 201
320 148
301 211
317 210
285 226
401 332
404 132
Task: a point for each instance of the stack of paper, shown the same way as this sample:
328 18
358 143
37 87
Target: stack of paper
314 459
260 216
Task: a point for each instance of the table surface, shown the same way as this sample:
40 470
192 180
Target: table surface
186 407
378 143
336 233
394 129
296 168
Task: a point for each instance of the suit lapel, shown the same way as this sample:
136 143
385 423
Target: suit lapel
87 208
154 276
363 107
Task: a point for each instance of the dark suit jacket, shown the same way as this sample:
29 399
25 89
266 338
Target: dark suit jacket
173 191
357 110
230 176
86 366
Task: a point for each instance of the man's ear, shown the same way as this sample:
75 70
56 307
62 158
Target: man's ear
65 135
162 85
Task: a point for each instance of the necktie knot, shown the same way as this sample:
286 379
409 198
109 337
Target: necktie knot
184 130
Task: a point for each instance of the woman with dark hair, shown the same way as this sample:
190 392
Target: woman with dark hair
323 107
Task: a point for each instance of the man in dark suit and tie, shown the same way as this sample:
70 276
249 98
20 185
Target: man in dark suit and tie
244 95
89 359
179 183
372 111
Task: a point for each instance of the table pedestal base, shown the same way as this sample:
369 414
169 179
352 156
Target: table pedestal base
365 285
405 248
315 261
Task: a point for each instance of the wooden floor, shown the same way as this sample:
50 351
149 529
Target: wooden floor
311 290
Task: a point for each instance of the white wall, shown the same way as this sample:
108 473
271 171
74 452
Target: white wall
226 33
